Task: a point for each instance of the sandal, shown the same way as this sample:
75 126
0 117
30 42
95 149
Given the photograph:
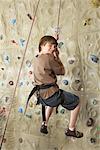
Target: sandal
74 133
43 129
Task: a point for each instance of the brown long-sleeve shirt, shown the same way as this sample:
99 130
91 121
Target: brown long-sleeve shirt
46 67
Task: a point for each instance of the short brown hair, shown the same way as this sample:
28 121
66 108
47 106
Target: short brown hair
46 39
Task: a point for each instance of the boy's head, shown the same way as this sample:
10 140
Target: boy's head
47 43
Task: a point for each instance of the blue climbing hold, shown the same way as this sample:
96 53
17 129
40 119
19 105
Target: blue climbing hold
94 58
20 110
13 21
65 82
22 42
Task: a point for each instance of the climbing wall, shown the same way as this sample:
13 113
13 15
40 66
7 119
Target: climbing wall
79 46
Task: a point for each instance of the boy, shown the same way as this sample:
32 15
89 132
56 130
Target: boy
47 66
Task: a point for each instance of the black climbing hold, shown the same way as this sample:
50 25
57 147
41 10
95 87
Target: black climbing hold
20 140
65 82
85 24
2 68
77 81
19 57
30 17
90 122
71 61
11 82
94 58
93 140
30 72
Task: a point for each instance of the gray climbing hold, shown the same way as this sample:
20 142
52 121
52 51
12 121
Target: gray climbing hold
28 63
65 82
29 116
77 81
93 140
1 37
90 122
20 140
94 58
38 112
62 111
94 102
71 61
22 42
60 44
6 59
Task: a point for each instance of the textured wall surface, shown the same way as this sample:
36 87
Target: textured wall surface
79 43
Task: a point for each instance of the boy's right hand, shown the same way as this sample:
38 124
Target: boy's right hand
56 53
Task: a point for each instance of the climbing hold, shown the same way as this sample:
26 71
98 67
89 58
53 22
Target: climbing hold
60 44
13 21
62 111
90 122
20 110
19 57
65 82
30 104
29 116
22 42
6 99
30 72
38 112
77 81
6 59
28 63
20 140
55 148
87 21
94 102
94 58
71 61
2 68
1 37
93 140
11 82
30 17
96 3
93 113
13 41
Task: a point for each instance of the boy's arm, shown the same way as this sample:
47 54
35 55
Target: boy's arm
56 65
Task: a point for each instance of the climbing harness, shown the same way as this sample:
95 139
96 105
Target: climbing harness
37 89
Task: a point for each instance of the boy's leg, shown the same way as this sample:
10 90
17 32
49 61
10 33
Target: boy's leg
48 112
73 117
71 131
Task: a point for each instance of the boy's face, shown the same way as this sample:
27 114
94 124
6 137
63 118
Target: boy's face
49 48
